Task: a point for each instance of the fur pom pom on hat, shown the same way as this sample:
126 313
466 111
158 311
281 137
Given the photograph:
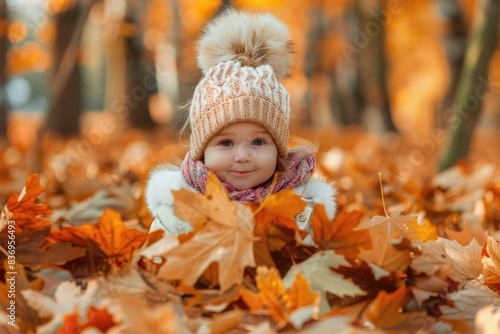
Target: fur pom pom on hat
242 56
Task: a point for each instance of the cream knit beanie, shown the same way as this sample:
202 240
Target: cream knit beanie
242 56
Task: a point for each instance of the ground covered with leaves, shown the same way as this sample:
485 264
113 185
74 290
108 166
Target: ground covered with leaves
410 251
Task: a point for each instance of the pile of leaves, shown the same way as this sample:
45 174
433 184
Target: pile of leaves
398 257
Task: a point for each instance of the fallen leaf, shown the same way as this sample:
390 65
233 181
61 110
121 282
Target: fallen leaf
32 250
385 311
491 263
281 303
386 253
467 302
111 236
226 238
96 319
339 234
280 209
319 270
396 226
467 234
23 207
369 277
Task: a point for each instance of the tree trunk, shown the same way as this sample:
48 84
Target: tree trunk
473 83
373 64
3 70
454 46
64 115
139 66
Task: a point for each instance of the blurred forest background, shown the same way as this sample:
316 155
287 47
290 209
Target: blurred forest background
89 82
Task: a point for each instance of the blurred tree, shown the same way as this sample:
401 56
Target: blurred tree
63 118
372 64
473 84
139 65
3 70
455 38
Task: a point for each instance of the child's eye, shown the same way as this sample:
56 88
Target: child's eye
258 142
226 142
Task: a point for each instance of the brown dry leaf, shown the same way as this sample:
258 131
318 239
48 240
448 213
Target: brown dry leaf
23 208
319 270
467 302
385 311
467 234
491 263
32 250
25 316
226 238
369 277
111 236
280 209
396 226
447 259
339 234
387 253
281 303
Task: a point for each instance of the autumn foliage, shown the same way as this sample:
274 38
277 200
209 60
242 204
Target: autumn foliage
397 266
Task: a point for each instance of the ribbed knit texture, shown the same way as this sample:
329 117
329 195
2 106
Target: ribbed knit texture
299 166
230 93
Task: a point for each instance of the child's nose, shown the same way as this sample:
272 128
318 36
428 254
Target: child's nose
242 154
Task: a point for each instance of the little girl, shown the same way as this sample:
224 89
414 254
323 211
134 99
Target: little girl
239 119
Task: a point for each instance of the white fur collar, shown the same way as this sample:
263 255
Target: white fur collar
166 178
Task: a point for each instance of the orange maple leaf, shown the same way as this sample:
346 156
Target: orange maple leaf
273 297
385 312
226 237
23 208
97 318
338 234
280 208
109 234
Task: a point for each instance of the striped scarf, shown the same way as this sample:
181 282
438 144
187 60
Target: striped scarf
299 166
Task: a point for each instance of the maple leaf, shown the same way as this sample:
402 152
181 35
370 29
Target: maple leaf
396 226
369 277
111 236
272 218
390 254
97 319
491 263
384 312
281 303
447 259
339 234
226 237
467 234
32 250
23 209
319 270
467 302
280 209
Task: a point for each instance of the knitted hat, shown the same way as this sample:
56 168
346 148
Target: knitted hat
242 56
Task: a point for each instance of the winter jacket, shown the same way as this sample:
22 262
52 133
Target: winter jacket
164 179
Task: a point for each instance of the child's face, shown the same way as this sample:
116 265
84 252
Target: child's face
243 155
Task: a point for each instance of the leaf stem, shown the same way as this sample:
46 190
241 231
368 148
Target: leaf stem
382 193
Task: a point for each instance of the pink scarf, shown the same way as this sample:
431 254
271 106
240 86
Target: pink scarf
299 167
